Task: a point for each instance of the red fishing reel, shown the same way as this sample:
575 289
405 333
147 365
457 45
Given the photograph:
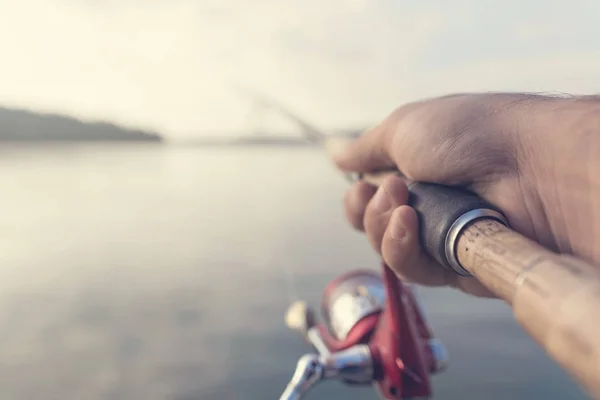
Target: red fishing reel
374 332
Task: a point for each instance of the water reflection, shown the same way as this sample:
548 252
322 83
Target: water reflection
158 273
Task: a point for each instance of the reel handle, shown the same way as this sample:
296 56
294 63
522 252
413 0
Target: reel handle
309 372
353 365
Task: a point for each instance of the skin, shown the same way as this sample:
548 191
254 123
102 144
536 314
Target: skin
535 157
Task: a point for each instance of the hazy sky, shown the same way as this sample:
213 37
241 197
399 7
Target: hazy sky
169 64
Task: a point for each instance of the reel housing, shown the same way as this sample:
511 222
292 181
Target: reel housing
374 332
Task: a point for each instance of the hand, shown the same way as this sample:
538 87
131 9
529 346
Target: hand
528 155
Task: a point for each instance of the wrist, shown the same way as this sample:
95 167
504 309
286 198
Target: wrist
576 141
560 139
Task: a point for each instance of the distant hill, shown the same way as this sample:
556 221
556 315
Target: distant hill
22 125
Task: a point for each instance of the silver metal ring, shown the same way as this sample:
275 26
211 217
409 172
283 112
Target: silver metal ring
456 229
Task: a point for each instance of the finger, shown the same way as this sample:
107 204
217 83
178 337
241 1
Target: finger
402 251
470 285
356 201
369 152
391 194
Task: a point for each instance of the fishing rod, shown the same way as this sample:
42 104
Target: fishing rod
374 330
554 297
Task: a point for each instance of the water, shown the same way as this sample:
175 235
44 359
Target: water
147 272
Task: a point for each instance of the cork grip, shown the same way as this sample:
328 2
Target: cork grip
555 298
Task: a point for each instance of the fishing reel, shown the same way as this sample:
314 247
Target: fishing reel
374 333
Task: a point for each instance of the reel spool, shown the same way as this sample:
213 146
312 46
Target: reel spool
374 331
351 307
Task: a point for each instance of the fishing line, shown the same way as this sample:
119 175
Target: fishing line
290 280
310 132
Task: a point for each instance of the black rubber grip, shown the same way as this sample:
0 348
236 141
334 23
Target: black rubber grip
438 208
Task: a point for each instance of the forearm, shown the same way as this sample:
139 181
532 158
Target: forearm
568 168
594 179
577 135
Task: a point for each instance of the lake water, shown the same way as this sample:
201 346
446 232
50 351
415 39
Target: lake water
159 272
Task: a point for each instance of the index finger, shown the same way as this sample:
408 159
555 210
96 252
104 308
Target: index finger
369 152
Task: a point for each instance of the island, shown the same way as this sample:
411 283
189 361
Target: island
24 125
20 125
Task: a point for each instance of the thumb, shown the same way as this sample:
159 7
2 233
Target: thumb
370 152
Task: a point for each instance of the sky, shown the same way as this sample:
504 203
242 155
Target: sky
172 65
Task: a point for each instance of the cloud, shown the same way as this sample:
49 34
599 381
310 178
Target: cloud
168 64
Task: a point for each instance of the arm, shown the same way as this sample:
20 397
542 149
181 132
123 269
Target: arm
567 173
